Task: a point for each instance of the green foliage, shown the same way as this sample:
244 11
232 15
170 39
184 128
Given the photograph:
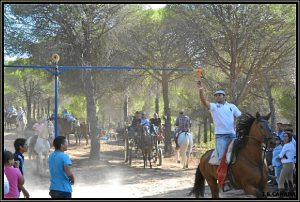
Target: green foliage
77 107
287 104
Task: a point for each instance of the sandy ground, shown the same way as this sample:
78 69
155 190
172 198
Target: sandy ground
111 177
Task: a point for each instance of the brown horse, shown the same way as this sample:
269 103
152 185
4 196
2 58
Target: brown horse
145 143
249 171
66 128
83 132
10 120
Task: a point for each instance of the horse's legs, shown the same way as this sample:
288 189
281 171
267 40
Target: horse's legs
187 162
214 188
177 156
149 158
87 139
144 158
250 189
183 157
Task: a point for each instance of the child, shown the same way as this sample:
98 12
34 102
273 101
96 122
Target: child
20 148
13 175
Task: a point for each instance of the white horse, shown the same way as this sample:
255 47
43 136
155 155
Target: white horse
21 125
41 147
185 141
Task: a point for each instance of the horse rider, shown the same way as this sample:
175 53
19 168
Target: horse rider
155 124
183 124
223 114
68 116
145 123
11 110
135 122
20 113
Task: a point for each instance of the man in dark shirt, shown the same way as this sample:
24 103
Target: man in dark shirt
183 124
155 124
135 122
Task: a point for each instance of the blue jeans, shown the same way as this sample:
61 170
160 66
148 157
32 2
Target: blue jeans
60 194
277 172
221 142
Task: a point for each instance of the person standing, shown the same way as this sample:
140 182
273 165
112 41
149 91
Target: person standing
14 176
20 148
223 114
280 131
287 156
276 163
61 176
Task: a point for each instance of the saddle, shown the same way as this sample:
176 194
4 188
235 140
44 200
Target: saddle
230 155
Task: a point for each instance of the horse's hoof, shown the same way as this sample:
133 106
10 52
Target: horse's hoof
178 161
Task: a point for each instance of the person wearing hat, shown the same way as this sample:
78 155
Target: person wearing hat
183 124
135 122
20 113
223 114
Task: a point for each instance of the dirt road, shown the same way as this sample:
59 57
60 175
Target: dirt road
110 177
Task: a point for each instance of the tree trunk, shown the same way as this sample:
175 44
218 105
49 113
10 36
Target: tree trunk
167 113
48 107
199 132
157 104
34 110
91 113
126 109
268 89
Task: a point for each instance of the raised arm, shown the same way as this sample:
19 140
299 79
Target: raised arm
201 94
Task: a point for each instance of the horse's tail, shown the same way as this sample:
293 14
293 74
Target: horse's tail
199 184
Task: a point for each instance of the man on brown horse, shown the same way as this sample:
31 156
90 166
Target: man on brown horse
223 114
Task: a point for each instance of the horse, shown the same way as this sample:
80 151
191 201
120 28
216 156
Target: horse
10 120
185 141
40 145
66 128
249 171
82 131
145 143
21 125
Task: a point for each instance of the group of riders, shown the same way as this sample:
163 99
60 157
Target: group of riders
20 113
151 126
155 127
11 112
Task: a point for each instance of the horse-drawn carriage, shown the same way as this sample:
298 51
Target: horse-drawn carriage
140 139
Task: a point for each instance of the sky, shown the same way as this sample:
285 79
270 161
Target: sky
155 6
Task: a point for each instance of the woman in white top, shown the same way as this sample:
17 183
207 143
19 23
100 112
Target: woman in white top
287 156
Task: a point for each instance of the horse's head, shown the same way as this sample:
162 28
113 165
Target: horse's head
262 131
50 128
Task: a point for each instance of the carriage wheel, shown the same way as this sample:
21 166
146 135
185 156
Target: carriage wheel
126 149
159 154
155 150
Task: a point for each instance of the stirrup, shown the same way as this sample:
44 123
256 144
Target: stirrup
227 186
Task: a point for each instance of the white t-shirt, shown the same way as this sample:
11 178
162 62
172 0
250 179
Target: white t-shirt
223 117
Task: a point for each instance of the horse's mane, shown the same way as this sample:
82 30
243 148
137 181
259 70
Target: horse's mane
243 126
